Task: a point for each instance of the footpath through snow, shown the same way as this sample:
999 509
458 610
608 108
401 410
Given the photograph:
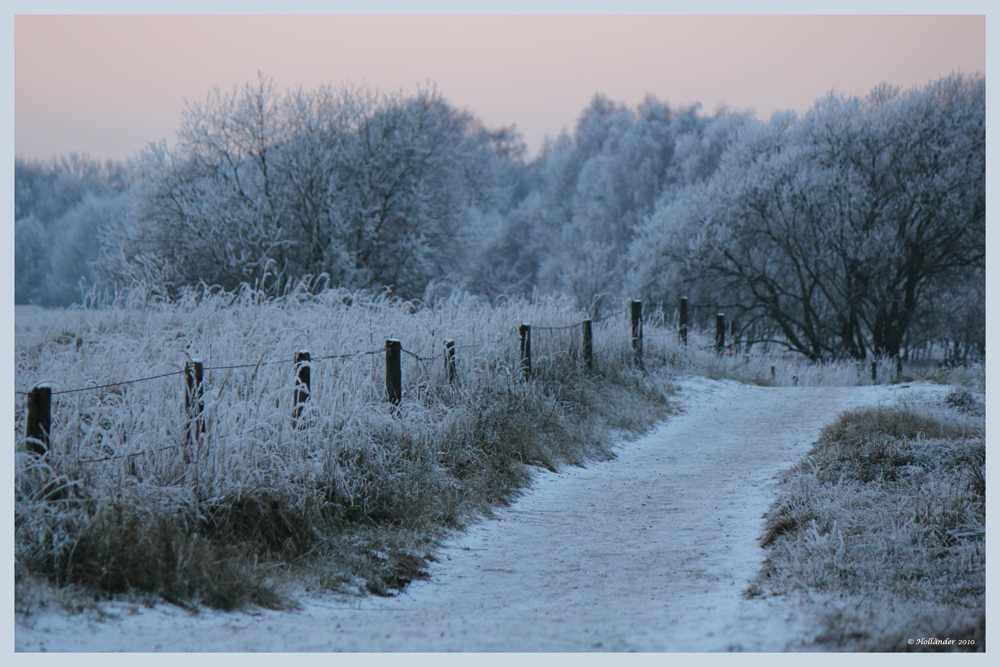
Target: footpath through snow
648 552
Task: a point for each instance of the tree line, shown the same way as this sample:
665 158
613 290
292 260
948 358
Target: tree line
855 229
851 231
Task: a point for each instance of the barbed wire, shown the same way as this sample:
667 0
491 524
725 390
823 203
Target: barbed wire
291 361
609 316
255 365
419 358
576 324
350 355
205 369
329 357
568 326
106 386
258 364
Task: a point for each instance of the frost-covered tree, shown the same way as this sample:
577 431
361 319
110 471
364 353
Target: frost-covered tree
835 228
262 187
593 189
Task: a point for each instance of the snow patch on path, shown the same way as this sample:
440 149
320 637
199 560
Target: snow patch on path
650 551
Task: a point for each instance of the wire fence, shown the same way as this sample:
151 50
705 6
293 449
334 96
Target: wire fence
328 357
580 348
258 364
557 346
577 324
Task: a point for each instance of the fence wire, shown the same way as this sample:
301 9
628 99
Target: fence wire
623 346
258 364
329 357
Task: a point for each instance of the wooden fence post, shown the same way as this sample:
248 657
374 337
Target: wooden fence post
636 318
525 332
449 359
682 325
588 344
303 382
39 420
194 398
393 371
720 333
874 372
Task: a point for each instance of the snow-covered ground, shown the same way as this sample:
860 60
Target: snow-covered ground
648 552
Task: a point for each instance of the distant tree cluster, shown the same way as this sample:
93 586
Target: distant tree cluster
855 229
59 208
591 191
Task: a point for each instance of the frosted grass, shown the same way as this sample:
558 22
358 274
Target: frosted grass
134 435
448 452
889 507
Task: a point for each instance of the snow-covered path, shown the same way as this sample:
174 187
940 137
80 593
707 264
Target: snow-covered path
649 552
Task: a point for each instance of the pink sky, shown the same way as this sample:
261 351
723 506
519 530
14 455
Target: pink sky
107 85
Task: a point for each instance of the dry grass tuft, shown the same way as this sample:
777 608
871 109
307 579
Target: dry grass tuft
119 549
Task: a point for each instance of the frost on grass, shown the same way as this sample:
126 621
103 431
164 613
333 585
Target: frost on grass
352 494
884 522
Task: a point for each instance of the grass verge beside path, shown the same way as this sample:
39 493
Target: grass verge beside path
232 552
884 524
352 496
